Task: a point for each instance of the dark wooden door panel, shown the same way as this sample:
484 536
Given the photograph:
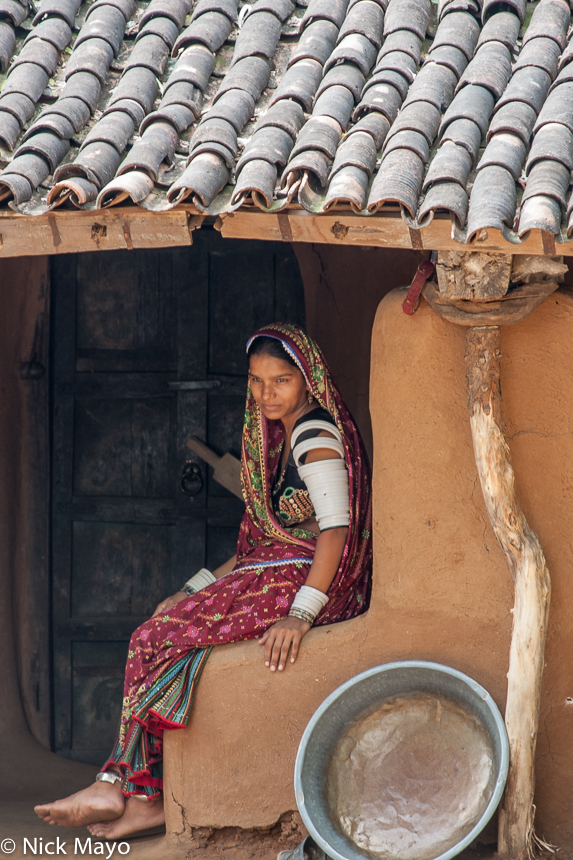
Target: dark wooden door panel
221 544
148 349
225 423
124 447
126 309
242 299
288 286
97 693
119 568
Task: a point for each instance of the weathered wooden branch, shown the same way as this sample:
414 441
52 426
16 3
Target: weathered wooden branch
463 299
473 275
532 588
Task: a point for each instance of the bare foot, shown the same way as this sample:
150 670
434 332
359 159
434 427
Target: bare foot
99 802
139 815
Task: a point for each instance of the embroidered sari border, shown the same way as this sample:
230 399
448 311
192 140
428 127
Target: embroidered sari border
279 562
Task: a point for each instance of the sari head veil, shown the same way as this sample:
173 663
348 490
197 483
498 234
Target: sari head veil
261 450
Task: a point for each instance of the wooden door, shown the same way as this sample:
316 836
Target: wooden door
148 349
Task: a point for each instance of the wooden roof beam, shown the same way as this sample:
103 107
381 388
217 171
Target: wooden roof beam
69 232
383 230
131 227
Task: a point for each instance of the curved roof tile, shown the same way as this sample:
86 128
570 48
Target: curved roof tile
360 104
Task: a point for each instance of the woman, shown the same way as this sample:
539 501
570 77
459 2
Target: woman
303 558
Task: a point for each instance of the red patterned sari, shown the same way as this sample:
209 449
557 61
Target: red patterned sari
167 653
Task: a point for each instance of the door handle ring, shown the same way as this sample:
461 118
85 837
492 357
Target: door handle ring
191 480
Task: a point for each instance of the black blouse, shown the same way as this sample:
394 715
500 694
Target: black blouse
291 501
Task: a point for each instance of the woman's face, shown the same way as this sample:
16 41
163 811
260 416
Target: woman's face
277 386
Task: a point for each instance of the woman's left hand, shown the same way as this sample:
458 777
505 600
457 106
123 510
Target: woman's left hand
166 604
282 637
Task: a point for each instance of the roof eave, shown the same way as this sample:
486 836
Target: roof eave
66 232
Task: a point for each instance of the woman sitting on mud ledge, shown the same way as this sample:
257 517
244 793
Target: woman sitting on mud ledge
303 558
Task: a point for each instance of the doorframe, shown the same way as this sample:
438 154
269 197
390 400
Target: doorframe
24 378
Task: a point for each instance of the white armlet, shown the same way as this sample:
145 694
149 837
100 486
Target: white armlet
327 485
318 424
307 603
201 580
301 448
315 443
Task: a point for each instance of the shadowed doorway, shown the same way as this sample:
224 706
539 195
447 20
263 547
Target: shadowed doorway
148 349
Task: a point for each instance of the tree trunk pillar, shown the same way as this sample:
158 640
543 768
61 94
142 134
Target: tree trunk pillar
532 588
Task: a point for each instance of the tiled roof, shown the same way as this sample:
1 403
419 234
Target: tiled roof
462 106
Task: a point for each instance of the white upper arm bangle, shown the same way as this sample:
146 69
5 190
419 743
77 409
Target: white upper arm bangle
327 485
326 480
315 443
317 424
201 580
300 448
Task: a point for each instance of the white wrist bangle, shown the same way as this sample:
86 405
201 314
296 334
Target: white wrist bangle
201 580
309 600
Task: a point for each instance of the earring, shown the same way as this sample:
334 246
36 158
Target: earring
310 398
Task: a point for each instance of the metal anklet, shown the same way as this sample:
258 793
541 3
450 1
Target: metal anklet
109 777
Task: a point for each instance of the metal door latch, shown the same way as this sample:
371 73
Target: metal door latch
195 385
191 481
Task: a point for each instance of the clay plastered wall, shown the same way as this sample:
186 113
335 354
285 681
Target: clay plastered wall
442 580
34 773
343 287
442 590
10 423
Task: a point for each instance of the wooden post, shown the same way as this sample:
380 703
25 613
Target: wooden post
532 588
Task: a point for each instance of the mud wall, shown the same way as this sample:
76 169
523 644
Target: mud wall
440 566
442 590
35 773
23 516
343 287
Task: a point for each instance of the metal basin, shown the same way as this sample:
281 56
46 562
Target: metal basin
406 761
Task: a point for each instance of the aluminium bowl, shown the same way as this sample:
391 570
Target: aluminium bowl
357 698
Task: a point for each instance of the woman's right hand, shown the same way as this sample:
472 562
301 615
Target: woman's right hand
169 602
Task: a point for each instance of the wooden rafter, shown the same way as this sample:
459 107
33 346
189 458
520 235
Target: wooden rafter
131 227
